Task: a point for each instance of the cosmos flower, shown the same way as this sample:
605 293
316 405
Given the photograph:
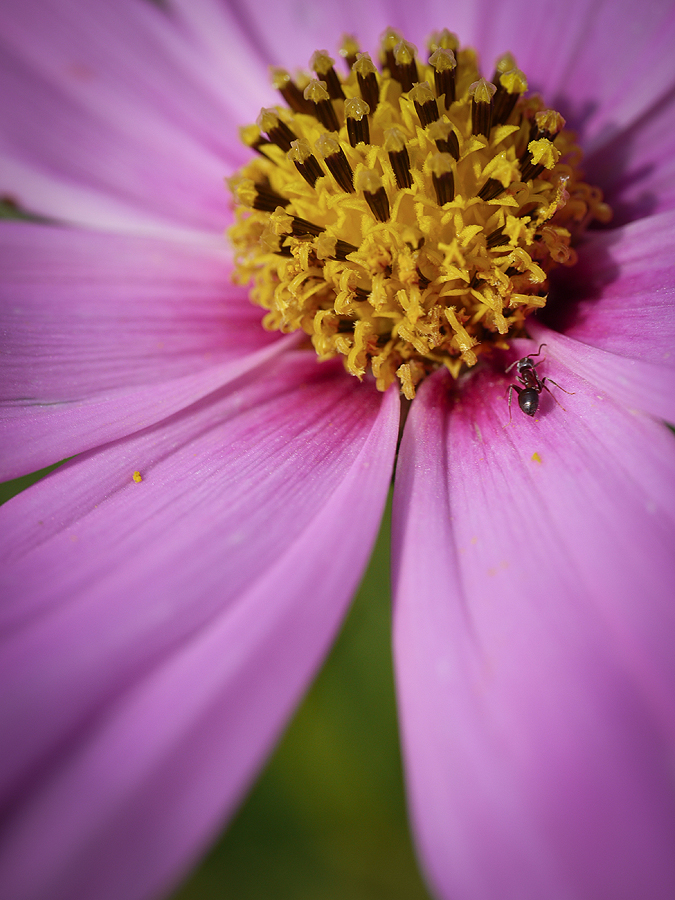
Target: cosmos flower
170 591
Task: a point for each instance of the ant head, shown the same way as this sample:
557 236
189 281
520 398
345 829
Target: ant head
524 363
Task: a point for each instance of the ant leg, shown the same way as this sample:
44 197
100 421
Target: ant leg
558 386
545 386
512 388
534 365
530 356
522 358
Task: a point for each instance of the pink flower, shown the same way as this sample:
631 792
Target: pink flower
169 592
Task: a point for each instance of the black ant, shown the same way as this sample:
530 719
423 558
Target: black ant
533 385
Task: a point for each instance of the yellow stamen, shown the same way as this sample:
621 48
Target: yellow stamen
407 218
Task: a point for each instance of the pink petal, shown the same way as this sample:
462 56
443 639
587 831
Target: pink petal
215 25
619 297
288 34
88 312
636 169
533 642
106 334
632 383
116 101
158 634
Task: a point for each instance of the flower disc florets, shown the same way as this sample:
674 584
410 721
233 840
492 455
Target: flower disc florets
407 217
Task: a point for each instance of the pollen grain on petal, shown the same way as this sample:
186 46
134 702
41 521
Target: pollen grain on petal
407 217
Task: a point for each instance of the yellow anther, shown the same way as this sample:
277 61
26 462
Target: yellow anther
544 153
390 38
407 219
269 240
249 135
349 47
364 65
482 91
440 130
549 121
267 119
316 91
444 39
505 63
324 246
327 146
394 140
422 93
280 78
405 53
321 62
367 180
245 192
440 163
356 108
300 151
281 222
443 60
514 81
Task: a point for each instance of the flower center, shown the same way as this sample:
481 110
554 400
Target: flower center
407 218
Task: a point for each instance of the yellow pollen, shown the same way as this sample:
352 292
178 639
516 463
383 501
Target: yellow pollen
505 63
316 91
444 39
404 53
356 108
407 218
442 59
279 77
349 48
321 62
364 65
482 91
389 39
